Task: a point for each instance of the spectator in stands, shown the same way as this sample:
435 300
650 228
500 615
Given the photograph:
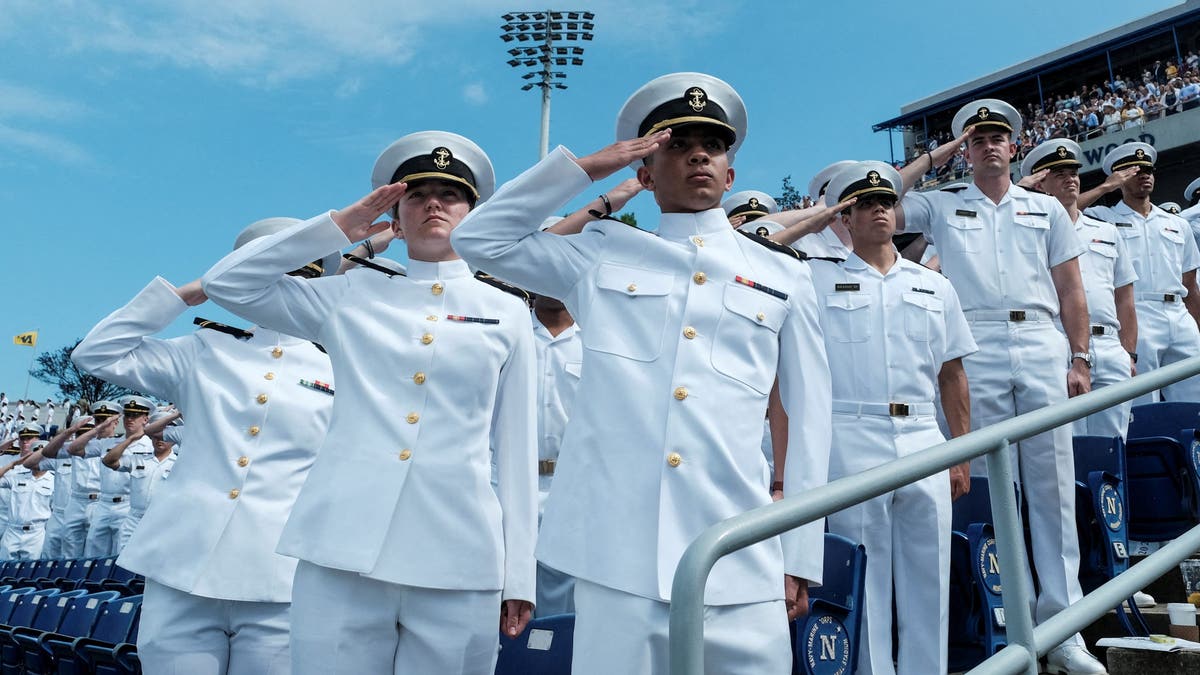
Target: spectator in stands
218 596
438 558
1011 255
1112 118
1091 123
1132 116
624 517
1192 60
1172 70
1189 93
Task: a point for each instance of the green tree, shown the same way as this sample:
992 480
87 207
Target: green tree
56 368
790 197
628 218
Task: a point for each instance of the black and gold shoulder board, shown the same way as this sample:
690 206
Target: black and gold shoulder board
363 262
600 216
504 286
222 328
773 245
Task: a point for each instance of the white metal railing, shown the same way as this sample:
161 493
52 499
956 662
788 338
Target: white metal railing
1025 643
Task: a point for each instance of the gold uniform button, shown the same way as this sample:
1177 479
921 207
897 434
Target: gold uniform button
277 352
431 317
699 277
405 454
419 378
681 393
437 289
427 338
243 461
254 430
674 459
631 287
761 316
412 418
262 398
689 333
269 376
233 494
699 241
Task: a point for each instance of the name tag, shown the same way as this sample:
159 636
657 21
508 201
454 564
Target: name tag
1171 230
845 287
923 290
471 319
964 212
1123 224
1031 213
1101 241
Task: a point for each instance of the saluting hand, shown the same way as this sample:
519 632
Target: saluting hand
1033 180
606 162
357 221
514 616
620 195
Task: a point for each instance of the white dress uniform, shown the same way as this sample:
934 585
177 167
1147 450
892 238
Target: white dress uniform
29 509
207 545
1191 195
146 473
889 335
84 497
52 549
682 334
434 368
1162 252
1105 267
999 256
559 366
823 244
113 506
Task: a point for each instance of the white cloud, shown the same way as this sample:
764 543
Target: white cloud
24 141
348 88
475 94
18 101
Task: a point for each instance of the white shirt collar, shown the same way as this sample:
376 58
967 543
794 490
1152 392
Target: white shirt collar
422 270
680 226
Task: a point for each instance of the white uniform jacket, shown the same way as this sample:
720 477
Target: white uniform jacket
679 357
112 483
1104 268
1159 246
145 473
559 366
29 500
61 466
253 431
434 368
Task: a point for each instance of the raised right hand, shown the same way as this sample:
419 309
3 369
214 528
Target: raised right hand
606 162
358 220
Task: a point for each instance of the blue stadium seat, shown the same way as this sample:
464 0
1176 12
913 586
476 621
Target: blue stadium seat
111 636
976 626
1161 487
121 579
73 576
544 648
9 602
102 570
1163 419
827 639
26 639
25 613
58 647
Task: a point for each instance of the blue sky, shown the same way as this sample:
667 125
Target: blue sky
137 138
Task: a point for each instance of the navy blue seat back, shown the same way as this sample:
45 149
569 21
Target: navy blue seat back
9 602
827 639
1161 488
26 607
1163 419
545 647
115 621
81 613
54 608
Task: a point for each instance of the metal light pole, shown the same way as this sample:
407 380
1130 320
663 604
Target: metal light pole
548 30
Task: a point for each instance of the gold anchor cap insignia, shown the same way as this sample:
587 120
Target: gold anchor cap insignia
1140 154
761 231
1062 151
754 202
983 113
697 98
873 177
441 158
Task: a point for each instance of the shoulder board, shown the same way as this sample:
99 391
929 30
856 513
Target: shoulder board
363 262
506 287
836 261
773 245
222 328
600 216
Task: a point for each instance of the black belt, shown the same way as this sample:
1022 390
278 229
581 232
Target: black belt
115 500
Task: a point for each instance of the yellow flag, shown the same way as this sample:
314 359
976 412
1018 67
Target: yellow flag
26 339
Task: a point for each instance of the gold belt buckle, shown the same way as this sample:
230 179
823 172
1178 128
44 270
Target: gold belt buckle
1016 315
898 409
1097 330
546 467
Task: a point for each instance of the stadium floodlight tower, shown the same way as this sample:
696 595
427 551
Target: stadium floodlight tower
553 41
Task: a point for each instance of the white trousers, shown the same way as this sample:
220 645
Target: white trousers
1111 366
19 544
616 632
77 518
1166 334
343 622
56 529
907 537
185 634
102 537
1020 368
127 527
555 592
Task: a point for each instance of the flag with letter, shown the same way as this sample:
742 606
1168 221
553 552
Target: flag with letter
26 339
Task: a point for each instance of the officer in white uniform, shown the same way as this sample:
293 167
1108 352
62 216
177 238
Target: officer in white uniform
559 367
113 508
28 496
680 329
27 434
1010 254
52 548
833 241
257 403
1165 259
748 206
896 332
85 478
1191 213
146 463
435 373
1108 278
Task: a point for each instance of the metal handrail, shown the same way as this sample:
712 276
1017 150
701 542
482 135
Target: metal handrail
686 638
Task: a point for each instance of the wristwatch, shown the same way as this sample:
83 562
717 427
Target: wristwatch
1086 356
1133 356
